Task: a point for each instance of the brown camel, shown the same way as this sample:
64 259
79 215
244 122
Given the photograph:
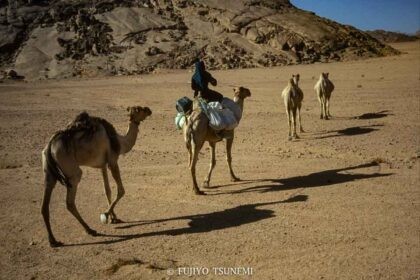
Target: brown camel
197 131
87 141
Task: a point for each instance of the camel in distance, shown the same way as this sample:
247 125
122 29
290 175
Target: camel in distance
323 88
293 96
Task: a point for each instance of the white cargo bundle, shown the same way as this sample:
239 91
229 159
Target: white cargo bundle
234 107
220 117
180 120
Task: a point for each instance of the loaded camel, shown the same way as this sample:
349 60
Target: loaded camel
323 88
292 97
196 131
87 141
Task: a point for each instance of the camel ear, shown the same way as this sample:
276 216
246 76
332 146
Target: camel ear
128 109
326 74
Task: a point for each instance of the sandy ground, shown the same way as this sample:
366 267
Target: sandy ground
340 203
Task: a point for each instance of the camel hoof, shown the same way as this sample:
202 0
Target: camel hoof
302 131
104 218
297 137
206 184
326 118
235 179
55 243
290 138
200 192
116 221
92 232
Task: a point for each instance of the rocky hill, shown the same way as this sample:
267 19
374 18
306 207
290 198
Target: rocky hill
57 39
392 37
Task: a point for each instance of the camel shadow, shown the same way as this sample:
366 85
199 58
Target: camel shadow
200 223
377 115
366 116
350 131
316 179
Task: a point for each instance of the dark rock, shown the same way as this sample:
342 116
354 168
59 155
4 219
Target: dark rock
202 12
153 51
13 75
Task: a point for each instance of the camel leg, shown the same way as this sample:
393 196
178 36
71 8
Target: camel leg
328 108
106 184
71 205
206 182
229 143
194 159
189 157
320 104
324 104
49 183
107 189
289 120
294 123
115 171
300 120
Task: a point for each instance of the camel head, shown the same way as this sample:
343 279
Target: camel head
296 78
241 93
324 75
138 113
292 81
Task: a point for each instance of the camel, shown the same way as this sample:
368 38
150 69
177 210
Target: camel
324 87
293 97
196 132
87 141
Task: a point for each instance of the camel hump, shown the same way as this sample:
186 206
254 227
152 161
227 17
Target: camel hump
88 126
82 122
82 117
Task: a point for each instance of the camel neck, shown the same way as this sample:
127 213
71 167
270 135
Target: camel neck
240 102
127 142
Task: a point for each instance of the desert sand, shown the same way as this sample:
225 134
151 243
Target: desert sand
342 202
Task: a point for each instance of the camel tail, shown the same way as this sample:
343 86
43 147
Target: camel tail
53 167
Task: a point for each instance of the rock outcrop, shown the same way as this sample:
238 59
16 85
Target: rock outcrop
56 39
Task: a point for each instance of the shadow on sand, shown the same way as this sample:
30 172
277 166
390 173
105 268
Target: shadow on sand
377 115
366 116
231 217
350 131
317 179
244 214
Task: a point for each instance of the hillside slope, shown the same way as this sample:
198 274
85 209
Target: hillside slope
56 39
392 37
